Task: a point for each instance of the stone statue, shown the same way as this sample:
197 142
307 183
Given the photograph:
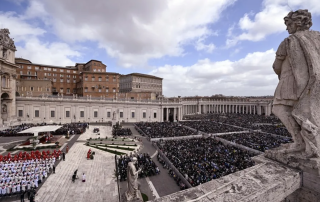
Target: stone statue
4 108
297 96
114 115
133 193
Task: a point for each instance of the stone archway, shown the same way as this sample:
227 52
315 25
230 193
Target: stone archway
5 105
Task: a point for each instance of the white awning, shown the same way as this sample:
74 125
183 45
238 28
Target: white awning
39 129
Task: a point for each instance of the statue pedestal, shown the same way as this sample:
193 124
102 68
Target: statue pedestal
310 167
295 160
128 198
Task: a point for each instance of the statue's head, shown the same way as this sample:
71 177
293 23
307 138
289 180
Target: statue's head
134 159
299 20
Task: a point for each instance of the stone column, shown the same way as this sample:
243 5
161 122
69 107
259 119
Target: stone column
174 113
167 117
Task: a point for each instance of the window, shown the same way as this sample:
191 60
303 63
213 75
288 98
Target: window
107 90
31 89
54 70
132 114
45 74
74 72
100 79
108 114
49 69
61 90
99 90
36 68
52 114
154 115
144 115
68 71
61 70
68 90
21 72
61 75
81 113
94 70
35 74
107 78
68 80
93 78
95 114
86 89
29 73
29 67
36 113
67 114
74 76
99 70
74 81
45 68
74 90
61 80
48 89
54 90
49 74
20 112
121 114
86 78
54 79
114 90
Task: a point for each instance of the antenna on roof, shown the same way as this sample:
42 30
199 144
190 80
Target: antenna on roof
289 5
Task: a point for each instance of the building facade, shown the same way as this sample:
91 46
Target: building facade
140 83
8 78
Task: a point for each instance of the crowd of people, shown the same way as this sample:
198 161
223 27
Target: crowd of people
24 172
171 172
210 126
144 162
257 141
274 129
200 160
121 132
163 129
72 128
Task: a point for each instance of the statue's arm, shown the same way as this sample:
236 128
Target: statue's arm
280 56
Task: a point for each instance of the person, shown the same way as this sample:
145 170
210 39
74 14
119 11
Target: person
132 175
67 149
83 177
63 156
53 169
22 196
297 93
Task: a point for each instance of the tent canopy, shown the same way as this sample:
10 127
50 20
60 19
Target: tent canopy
39 129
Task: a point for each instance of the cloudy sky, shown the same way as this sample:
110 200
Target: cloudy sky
202 47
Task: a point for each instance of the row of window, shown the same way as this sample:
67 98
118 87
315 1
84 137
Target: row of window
49 69
32 89
95 114
100 90
99 79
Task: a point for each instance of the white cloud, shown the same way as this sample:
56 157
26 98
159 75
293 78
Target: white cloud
251 75
201 46
135 31
55 53
269 20
27 39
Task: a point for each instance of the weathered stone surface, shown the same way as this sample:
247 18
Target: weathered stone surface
267 181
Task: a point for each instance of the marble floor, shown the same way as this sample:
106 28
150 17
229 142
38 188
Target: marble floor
100 184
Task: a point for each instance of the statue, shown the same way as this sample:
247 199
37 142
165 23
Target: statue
114 115
133 193
4 108
297 96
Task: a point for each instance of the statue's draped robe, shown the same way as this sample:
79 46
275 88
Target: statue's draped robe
132 177
303 51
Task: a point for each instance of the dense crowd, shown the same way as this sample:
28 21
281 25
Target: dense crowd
25 171
171 172
201 160
144 161
73 128
164 129
257 141
121 132
210 126
275 129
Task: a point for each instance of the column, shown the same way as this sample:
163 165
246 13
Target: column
174 114
161 114
167 116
